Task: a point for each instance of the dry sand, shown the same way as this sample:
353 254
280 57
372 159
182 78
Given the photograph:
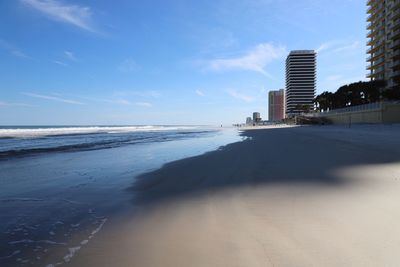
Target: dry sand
302 196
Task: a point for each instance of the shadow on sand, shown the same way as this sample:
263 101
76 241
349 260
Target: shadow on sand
292 156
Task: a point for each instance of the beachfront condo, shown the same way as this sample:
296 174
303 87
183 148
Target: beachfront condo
256 117
384 41
276 105
300 81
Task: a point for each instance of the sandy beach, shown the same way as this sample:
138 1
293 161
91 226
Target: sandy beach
300 196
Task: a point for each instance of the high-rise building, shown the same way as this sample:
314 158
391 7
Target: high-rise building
249 121
384 41
300 81
276 105
256 117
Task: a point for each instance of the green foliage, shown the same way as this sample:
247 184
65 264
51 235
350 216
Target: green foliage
303 108
391 94
354 94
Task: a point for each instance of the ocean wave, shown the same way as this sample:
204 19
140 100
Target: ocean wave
62 148
61 131
17 147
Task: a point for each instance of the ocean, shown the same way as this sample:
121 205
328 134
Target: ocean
59 185
23 140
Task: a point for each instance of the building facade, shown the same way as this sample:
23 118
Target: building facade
256 117
276 105
384 41
300 81
249 121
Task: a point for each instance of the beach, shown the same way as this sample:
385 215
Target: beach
59 186
299 196
273 196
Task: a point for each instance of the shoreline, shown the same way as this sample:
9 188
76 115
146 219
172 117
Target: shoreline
283 197
51 203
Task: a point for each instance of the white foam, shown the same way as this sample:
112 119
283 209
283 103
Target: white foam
28 241
71 253
11 255
73 250
41 132
98 228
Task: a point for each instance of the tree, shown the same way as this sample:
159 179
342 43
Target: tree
303 108
324 101
391 94
354 94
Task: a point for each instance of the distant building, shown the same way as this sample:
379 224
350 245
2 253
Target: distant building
300 81
276 105
256 117
249 120
384 41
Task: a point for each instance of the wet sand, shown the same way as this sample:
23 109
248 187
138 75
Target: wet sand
53 204
302 196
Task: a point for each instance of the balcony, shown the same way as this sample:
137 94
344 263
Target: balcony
376 13
376 72
395 66
376 56
375 48
396 4
373 5
396 34
379 61
396 56
376 31
395 44
396 14
396 74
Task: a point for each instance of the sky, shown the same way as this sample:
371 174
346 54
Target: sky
101 62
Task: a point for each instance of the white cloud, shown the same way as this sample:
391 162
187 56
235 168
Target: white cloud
13 50
128 65
76 15
18 53
239 96
121 102
353 46
255 59
324 46
10 104
118 101
199 93
69 55
54 98
337 46
144 104
60 63
145 93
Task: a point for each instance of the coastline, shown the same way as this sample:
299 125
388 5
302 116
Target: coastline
283 197
53 204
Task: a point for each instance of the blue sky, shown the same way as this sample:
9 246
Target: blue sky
166 62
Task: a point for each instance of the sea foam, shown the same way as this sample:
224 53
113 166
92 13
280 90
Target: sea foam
49 131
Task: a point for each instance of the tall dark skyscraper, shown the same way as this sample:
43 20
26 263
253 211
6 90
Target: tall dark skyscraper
300 81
